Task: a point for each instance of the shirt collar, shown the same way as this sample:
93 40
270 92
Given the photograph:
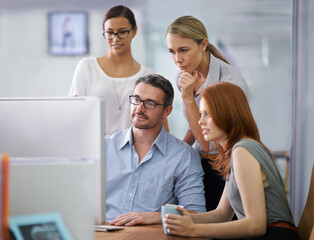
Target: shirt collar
160 141
214 69
213 74
127 138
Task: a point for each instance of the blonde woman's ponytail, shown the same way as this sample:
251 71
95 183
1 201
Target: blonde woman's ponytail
213 50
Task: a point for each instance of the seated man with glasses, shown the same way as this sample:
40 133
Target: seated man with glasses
148 167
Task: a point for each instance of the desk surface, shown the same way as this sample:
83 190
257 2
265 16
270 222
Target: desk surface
151 232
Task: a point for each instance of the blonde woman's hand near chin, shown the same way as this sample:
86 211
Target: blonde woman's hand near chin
187 85
199 80
180 225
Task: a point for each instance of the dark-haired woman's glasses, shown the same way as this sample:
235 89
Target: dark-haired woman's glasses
121 34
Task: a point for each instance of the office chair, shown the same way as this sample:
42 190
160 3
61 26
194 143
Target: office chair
307 219
286 156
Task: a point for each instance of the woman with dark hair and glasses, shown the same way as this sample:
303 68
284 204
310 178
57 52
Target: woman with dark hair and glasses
113 75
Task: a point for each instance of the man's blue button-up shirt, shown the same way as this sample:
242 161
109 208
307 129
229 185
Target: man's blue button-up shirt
171 172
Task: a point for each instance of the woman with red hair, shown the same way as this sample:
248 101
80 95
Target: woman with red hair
254 189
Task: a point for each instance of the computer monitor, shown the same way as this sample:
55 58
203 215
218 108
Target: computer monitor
52 185
57 127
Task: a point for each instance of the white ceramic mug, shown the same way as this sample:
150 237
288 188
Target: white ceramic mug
171 209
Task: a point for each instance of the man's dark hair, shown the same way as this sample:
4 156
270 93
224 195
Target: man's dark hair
160 82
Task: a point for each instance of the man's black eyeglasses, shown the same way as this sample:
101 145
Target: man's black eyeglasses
149 104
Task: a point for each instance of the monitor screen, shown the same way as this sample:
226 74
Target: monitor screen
57 127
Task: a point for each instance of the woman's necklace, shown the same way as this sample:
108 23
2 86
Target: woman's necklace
119 98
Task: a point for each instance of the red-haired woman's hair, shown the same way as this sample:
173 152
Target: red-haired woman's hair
230 110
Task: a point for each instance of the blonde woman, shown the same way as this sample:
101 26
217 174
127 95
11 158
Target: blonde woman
200 64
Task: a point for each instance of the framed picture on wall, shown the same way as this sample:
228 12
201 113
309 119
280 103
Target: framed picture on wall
68 33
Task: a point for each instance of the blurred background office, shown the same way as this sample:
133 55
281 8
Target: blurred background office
269 41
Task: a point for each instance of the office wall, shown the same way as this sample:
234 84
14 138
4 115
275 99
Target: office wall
270 85
26 67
